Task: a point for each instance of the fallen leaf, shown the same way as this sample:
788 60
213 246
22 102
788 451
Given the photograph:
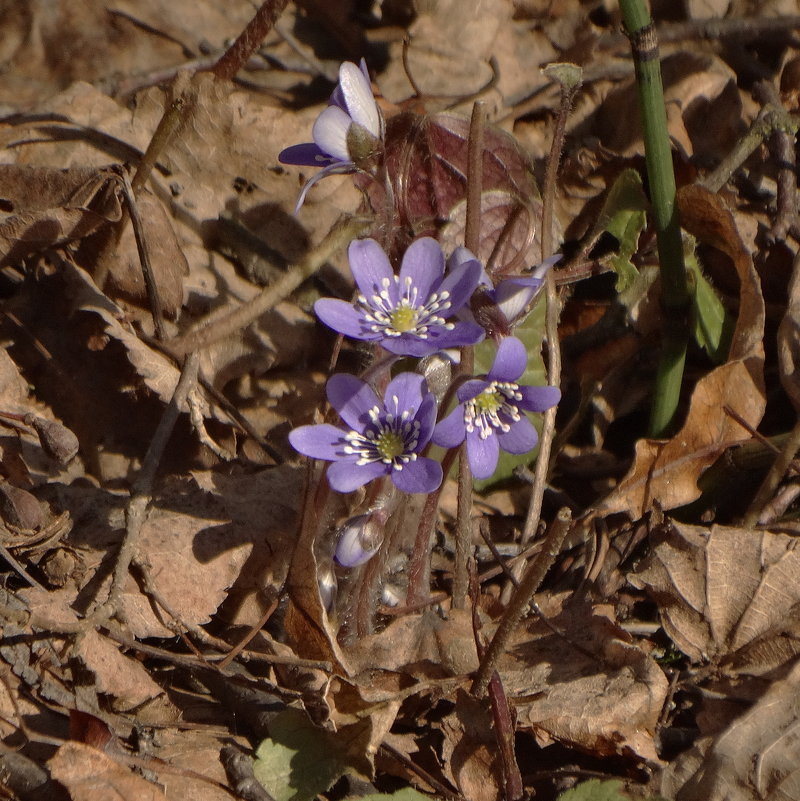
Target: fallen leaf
755 757
726 595
90 775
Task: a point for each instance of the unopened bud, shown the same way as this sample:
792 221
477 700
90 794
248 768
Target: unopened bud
328 587
360 538
57 440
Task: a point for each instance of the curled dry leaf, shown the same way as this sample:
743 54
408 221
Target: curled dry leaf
667 472
755 757
726 595
426 158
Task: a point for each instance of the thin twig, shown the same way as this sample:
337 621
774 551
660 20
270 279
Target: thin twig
521 599
141 492
249 40
220 327
552 315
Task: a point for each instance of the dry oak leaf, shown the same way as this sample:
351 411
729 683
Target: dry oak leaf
726 595
755 757
666 472
789 340
117 676
91 775
606 704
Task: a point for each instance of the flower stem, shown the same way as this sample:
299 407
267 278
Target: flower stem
675 294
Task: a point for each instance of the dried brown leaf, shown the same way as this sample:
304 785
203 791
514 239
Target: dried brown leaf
727 595
124 680
91 775
607 704
755 757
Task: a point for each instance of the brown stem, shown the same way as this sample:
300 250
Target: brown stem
249 40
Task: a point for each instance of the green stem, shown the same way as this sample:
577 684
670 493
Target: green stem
658 157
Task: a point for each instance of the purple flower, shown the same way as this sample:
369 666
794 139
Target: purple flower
380 438
490 413
347 134
409 314
499 308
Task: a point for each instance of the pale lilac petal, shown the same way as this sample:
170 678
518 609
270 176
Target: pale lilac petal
308 155
370 266
330 132
510 360
357 542
539 399
421 475
450 431
514 295
353 399
461 283
359 99
520 438
408 388
344 318
349 476
423 263
482 454
541 270
322 441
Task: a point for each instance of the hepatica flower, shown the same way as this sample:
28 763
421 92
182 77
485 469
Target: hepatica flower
491 411
347 134
498 308
379 438
410 314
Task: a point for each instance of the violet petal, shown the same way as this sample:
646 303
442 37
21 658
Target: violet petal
539 399
353 399
408 389
322 441
460 283
370 266
510 360
423 264
482 454
344 318
349 476
450 431
520 438
307 155
421 475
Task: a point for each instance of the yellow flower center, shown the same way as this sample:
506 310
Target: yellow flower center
404 318
389 445
489 401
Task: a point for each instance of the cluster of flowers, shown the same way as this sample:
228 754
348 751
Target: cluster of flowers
426 308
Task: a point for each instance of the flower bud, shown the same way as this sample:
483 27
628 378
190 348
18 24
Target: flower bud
328 586
360 538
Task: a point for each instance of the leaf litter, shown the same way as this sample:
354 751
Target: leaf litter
176 595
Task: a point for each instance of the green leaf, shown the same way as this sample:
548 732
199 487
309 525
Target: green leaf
623 216
595 790
406 794
298 761
712 327
531 332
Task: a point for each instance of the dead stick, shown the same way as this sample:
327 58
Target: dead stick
521 599
249 40
240 317
141 492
